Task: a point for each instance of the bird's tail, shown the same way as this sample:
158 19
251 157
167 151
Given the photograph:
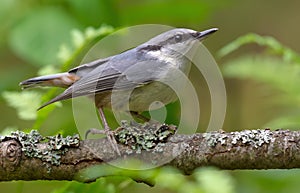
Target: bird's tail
58 80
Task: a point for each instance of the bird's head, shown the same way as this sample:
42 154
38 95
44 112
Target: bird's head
179 40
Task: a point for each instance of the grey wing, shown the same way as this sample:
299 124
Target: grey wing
114 74
118 75
88 67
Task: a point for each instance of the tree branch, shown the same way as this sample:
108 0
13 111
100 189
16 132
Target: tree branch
33 157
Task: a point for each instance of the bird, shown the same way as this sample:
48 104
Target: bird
139 70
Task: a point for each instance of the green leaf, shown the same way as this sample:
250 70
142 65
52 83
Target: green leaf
80 40
49 69
287 54
77 38
26 103
100 186
37 37
291 121
170 178
278 74
94 172
212 180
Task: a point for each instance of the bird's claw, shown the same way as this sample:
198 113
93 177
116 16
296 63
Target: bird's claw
109 134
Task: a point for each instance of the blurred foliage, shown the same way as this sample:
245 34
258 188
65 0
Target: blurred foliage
27 103
101 186
250 181
201 181
278 68
174 12
273 46
50 36
38 35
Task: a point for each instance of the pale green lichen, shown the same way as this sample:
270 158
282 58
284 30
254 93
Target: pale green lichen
255 138
144 136
213 138
55 146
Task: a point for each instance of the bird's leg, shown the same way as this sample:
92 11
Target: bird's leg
143 118
139 116
107 131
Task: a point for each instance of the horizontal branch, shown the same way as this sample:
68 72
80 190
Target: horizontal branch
33 157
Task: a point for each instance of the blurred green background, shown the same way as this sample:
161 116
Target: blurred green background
261 77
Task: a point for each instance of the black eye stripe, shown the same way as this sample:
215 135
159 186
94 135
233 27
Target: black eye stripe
171 39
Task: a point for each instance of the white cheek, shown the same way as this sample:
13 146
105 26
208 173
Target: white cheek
162 57
155 54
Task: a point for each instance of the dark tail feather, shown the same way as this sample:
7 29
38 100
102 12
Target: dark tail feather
49 102
64 80
67 94
60 80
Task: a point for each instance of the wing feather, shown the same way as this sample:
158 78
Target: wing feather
112 73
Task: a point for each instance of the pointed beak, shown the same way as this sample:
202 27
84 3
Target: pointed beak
204 34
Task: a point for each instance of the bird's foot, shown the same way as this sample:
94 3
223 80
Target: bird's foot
109 134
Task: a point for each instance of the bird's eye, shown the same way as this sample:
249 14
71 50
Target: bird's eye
178 37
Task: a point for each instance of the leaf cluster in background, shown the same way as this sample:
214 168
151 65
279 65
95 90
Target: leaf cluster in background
38 35
27 102
278 67
166 178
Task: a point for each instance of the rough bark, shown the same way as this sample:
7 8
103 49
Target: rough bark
33 157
